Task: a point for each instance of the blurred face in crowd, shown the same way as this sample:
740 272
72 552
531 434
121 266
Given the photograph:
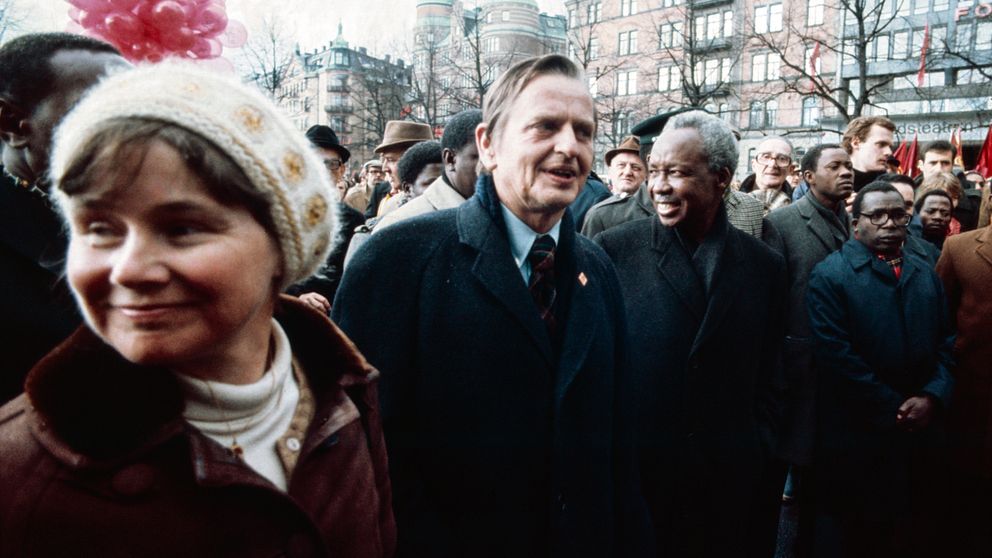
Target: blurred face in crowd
888 210
794 178
772 164
541 152
907 192
31 136
686 193
390 157
936 161
870 154
165 273
976 179
428 175
335 167
833 180
627 172
373 175
461 168
935 216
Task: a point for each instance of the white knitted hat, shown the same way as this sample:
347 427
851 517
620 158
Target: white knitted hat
243 124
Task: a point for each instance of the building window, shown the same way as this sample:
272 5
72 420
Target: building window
627 82
593 86
983 36
628 7
921 7
628 43
489 17
723 111
669 78
768 18
593 48
670 35
811 111
765 67
670 3
756 116
506 15
572 19
725 70
878 49
814 12
900 45
728 23
621 124
771 112
594 12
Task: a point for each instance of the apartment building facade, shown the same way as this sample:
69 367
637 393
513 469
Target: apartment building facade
790 68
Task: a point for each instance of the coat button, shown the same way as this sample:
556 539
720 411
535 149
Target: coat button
561 502
134 480
293 444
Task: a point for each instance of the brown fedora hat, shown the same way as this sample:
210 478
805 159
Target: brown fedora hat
630 144
401 133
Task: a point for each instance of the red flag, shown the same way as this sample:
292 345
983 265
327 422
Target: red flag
923 56
956 142
814 57
984 165
907 155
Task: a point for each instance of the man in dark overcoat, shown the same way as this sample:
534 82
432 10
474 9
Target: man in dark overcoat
882 340
707 396
502 347
804 233
42 76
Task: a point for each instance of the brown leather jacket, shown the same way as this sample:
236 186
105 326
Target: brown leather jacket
95 460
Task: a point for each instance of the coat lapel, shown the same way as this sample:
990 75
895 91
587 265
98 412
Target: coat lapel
675 267
580 327
496 271
816 224
724 291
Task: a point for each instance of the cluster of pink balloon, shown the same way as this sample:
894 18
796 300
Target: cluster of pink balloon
150 30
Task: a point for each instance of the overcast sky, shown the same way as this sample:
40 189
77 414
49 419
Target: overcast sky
382 26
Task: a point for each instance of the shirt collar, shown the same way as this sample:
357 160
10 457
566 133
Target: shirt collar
521 236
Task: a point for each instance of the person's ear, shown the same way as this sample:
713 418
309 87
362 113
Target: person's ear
807 176
14 124
448 158
484 143
725 176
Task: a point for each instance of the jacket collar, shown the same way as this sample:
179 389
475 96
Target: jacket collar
481 227
644 198
817 219
441 195
859 256
93 408
983 244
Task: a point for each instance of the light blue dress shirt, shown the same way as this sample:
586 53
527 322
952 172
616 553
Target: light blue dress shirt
521 238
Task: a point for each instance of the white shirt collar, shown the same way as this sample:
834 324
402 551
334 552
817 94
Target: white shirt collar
521 238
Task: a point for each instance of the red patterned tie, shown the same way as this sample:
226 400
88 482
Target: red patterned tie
542 278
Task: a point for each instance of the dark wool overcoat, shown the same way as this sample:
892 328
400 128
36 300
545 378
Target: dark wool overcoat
96 461
877 341
707 373
502 442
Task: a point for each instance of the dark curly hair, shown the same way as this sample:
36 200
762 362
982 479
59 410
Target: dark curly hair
416 158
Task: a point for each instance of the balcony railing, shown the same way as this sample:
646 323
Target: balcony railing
710 45
338 108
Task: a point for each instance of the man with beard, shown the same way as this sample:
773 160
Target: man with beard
869 140
708 396
805 233
500 336
882 339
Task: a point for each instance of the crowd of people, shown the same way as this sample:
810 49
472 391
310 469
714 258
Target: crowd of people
219 343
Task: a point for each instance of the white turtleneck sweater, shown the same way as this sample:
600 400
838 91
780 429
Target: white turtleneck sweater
256 414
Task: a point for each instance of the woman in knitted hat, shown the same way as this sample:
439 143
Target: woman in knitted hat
198 412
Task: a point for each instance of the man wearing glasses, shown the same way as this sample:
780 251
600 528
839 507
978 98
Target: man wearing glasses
882 340
772 165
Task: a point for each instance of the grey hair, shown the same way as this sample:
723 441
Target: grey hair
718 138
